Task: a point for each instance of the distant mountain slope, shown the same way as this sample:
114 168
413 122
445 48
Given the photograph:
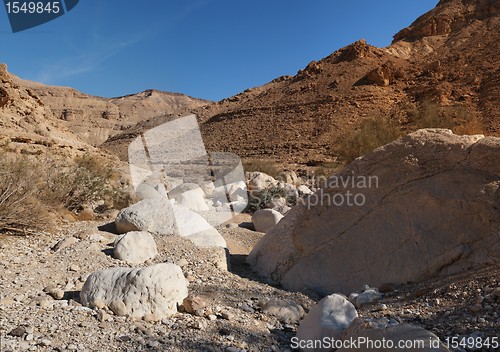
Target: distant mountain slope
448 56
95 119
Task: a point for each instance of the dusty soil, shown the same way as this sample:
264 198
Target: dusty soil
232 320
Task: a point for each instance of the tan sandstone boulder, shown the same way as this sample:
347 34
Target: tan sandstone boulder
421 206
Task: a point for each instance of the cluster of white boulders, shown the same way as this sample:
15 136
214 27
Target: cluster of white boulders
153 292
187 211
333 324
279 195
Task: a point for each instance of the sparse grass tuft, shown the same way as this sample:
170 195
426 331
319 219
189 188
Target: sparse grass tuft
262 165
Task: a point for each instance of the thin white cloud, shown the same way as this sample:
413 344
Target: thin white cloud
91 57
84 62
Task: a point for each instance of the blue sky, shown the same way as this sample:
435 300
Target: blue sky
209 49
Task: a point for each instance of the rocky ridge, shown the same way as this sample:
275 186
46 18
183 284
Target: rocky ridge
96 119
447 56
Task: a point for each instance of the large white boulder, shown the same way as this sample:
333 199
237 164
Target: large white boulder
151 215
160 217
327 319
195 228
135 247
153 292
424 205
265 219
147 191
189 195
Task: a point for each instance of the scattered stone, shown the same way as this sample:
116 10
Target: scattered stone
20 331
182 262
135 247
368 296
327 319
64 243
199 324
192 304
286 311
476 308
265 219
259 181
225 314
55 292
102 315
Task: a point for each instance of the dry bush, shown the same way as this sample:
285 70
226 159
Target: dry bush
262 165
471 126
376 132
373 133
30 188
20 203
78 184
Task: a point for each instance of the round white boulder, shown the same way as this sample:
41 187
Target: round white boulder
153 292
135 247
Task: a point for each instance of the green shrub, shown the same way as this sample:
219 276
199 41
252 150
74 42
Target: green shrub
260 199
373 133
78 184
455 118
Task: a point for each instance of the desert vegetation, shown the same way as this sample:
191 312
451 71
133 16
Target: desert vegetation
31 189
377 131
262 165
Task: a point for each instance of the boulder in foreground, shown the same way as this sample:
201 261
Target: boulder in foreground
265 219
424 205
405 337
327 319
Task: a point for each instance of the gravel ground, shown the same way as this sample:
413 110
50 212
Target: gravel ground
231 317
